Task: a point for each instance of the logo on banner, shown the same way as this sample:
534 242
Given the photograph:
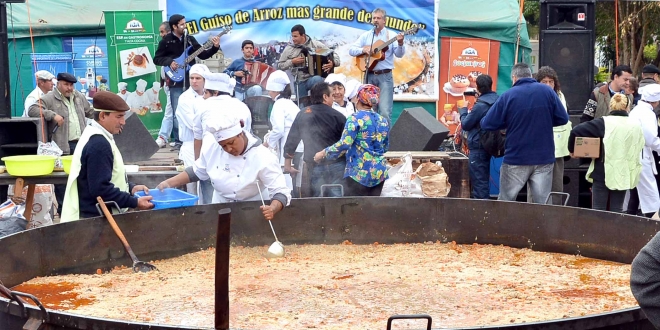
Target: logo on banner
93 51
469 58
134 26
469 52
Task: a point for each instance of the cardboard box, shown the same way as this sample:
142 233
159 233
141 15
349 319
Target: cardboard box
587 147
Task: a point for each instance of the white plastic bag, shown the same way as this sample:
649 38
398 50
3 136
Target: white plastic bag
402 181
52 149
9 209
41 204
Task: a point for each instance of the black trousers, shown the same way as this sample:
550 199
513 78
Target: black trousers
602 196
354 188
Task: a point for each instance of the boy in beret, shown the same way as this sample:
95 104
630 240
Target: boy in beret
97 168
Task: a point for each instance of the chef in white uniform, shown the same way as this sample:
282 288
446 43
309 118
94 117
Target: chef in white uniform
352 87
282 115
154 101
189 103
337 83
234 161
139 100
123 92
647 188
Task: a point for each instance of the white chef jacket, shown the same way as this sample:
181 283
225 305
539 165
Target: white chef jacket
347 110
220 103
234 177
189 104
647 188
153 96
138 102
31 99
282 115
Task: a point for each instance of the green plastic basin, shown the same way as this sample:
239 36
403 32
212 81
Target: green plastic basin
29 165
66 163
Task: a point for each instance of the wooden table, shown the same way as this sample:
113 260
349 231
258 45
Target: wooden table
148 178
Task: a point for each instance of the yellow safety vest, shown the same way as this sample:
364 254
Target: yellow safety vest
623 143
71 205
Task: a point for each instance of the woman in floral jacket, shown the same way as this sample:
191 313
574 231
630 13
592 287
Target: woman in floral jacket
365 140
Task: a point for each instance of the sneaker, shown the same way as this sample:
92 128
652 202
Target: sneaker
161 142
172 144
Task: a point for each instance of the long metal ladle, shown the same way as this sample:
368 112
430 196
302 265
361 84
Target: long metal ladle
276 250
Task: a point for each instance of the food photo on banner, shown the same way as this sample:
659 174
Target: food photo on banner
337 24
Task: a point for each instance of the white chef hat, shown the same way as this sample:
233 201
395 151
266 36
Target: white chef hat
44 75
223 125
156 86
122 86
336 77
352 87
650 93
277 81
141 85
199 69
219 82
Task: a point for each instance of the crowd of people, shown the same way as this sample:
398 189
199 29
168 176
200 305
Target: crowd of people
533 116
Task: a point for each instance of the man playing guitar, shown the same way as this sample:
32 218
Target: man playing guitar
381 75
171 47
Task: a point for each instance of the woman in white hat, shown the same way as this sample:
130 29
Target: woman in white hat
340 103
281 118
234 161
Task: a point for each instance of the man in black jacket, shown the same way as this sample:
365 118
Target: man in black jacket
171 47
479 158
319 126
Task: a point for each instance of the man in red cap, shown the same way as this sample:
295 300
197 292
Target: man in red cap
97 168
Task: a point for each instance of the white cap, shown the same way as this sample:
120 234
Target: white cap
352 87
219 82
44 75
199 69
156 86
650 93
122 86
141 85
223 125
334 77
277 81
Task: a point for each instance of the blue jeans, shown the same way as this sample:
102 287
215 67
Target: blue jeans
255 90
168 118
328 174
386 84
515 177
480 173
171 124
207 191
303 87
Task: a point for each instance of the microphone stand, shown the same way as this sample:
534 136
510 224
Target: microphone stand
185 66
366 65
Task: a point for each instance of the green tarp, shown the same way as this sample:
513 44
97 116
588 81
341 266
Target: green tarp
487 19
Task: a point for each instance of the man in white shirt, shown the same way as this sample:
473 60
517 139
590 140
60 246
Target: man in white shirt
381 75
139 100
44 85
218 88
187 107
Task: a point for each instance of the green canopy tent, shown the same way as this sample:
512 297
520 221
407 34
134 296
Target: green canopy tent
51 20
487 19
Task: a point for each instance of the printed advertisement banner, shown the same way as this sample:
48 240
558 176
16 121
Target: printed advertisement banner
90 62
51 62
335 23
132 38
463 60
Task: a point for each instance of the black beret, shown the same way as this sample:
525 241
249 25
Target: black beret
65 76
109 102
650 68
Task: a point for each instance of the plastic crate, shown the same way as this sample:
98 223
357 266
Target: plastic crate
170 198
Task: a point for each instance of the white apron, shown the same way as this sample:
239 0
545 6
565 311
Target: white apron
71 204
647 188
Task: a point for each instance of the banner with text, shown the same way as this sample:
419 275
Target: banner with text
462 60
335 23
132 38
51 62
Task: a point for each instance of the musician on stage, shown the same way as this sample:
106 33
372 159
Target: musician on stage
293 58
171 47
237 70
381 75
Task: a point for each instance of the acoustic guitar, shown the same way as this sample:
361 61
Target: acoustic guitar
180 73
379 49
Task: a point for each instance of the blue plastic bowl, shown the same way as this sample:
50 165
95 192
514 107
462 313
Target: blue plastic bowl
170 198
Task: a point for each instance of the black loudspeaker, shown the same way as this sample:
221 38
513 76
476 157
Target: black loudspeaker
417 130
135 143
567 45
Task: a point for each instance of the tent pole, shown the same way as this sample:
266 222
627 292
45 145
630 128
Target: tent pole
520 19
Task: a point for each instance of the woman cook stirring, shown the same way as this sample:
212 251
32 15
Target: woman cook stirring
234 160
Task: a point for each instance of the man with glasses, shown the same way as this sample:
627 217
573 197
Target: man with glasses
171 47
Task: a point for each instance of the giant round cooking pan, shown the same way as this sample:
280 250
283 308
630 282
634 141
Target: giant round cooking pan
85 246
